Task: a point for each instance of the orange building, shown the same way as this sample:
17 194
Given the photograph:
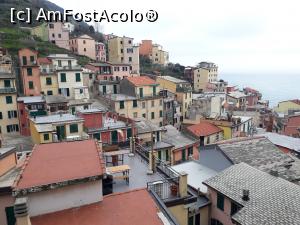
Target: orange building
30 72
146 47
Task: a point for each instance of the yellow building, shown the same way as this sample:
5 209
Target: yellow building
122 50
204 74
181 88
9 122
59 127
139 98
285 106
48 77
158 55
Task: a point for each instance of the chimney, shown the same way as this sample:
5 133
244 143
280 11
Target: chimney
21 211
245 195
183 184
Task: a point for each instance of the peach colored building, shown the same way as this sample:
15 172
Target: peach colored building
59 35
8 173
83 45
30 72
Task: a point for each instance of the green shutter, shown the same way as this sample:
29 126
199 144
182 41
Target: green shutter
63 77
7 83
46 137
160 113
9 100
220 201
122 105
134 103
78 79
74 128
141 92
29 71
30 84
48 81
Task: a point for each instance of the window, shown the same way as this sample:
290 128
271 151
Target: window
208 140
59 35
12 114
129 41
130 59
122 105
144 115
74 128
48 81
53 35
160 113
51 26
78 79
134 103
49 92
63 77
46 137
160 102
121 50
6 83
32 58
190 151
12 128
135 115
83 41
143 105
9 100
152 115
30 84
29 71
122 59
220 201
59 63
1 116
154 91
234 208
24 59
141 93
152 103
121 42
84 49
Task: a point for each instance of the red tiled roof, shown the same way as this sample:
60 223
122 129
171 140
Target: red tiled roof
296 101
130 208
57 162
141 81
44 61
204 128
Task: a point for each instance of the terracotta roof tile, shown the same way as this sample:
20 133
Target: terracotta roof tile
134 207
58 162
141 81
204 128
44 61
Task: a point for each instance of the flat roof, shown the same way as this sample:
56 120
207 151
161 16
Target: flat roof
134 207
173 79
56 118
121 97
237 94
60 162
31 99
6 151
197 173
272 200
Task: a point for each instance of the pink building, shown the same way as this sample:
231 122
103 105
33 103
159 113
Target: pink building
146 47
292 126
59 35
100 52
83 45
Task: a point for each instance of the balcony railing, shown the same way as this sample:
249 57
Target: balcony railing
166 189
7 90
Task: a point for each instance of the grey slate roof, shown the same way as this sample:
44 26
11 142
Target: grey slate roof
262 154
173 79
272 200
145 126
56 118
177 139
55 99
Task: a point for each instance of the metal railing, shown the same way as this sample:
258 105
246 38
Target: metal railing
6 90
166 189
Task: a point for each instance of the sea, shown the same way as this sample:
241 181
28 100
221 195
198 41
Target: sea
274 88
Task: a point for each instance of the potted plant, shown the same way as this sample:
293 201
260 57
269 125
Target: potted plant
174 189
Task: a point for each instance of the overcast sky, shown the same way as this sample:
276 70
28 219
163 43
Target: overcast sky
257 36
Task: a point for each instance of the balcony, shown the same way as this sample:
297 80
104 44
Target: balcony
166 189
183 89
8 90
34 113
